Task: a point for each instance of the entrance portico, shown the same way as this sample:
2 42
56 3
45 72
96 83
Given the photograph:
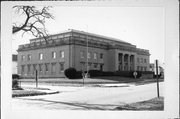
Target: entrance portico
126 62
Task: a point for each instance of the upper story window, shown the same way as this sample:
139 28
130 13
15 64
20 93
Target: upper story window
82 54
40 56
53 55
95 55
22 58
29 57
101 55
89 55
61 54
145 61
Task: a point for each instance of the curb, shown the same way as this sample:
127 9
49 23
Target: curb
35 94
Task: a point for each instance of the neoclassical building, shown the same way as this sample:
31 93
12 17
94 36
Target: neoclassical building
81 50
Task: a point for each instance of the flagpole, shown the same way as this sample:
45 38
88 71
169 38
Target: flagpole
87 52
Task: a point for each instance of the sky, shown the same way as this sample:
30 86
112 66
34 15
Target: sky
140 26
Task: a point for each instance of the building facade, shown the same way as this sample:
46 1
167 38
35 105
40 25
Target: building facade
81 50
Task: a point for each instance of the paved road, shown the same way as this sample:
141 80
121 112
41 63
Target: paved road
88 97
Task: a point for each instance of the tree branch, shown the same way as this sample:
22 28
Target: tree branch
34 19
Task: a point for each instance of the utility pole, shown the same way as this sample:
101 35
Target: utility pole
36 77
157 77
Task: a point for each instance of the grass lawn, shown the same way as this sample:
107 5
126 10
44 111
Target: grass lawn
96 80
156 104
20 93
137 81
30 92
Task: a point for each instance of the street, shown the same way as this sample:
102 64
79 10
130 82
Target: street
87 97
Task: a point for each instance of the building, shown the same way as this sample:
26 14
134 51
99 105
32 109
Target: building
160 69
81 50
14 64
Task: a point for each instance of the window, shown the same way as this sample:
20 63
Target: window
95 65
29 57
101 55
141 60
46 67
82 54
40 67
61 66
89 65
145 61
29 68
95 55
138 68
34 68
40 56
145 68
82 65
101 67
53 55
61 54
53 68
89 55
22 58
22 68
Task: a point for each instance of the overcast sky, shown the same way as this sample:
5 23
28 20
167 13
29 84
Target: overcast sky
140 26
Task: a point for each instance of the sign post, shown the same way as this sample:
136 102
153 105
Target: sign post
36 78
135 74
157 72
83 76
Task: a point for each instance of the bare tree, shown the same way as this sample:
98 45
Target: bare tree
34 20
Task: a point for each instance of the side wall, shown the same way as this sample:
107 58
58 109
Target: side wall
143 63
47 59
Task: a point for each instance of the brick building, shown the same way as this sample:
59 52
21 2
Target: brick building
80 50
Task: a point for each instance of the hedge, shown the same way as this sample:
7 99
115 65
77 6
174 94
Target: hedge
71 73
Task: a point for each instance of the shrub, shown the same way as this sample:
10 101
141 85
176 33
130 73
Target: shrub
79 74
95 73
15 76
124 73
139 74
70 73
15 84
107 73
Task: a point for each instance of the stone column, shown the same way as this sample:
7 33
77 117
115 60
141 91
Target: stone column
128 62
122 62
134 68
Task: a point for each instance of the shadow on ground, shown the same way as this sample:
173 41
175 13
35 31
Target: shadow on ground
77 105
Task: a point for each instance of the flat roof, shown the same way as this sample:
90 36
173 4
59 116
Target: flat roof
87 33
